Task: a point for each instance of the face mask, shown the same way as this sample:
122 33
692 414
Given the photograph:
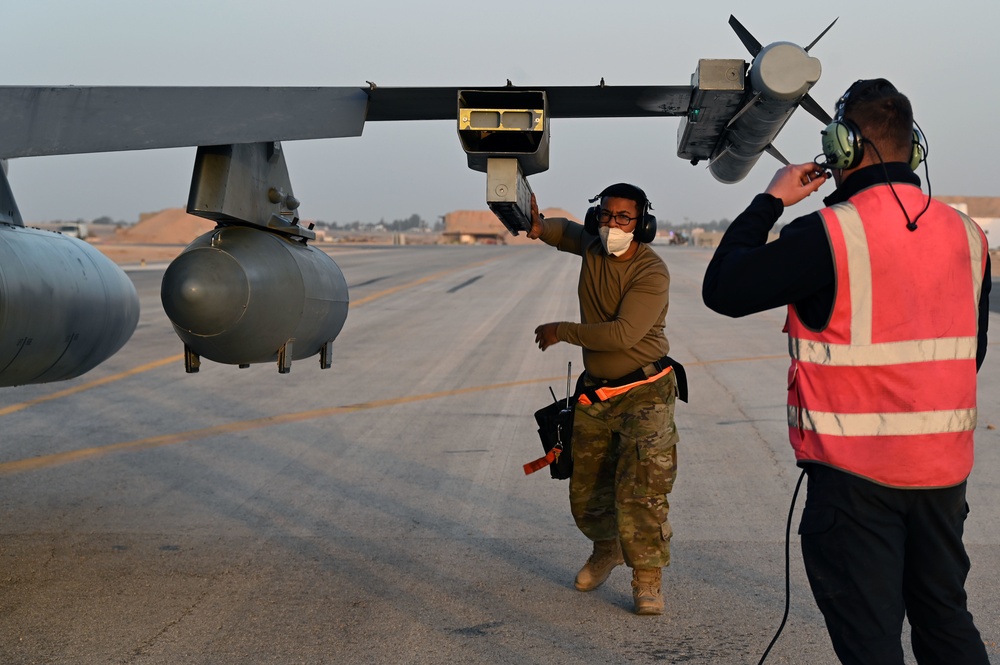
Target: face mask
615 240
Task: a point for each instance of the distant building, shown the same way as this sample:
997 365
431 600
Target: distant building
470 227
72 229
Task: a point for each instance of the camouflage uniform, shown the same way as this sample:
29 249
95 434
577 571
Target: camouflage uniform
624 457
624 465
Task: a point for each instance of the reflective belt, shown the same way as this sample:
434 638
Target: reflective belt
664 366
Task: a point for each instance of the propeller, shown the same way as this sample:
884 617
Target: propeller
754 47
748 40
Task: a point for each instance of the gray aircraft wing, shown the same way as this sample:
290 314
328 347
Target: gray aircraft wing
39 120
598 101
729 115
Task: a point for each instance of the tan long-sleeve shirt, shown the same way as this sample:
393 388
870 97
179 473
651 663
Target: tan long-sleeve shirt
623 303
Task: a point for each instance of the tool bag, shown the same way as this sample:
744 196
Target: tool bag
555 429
555 421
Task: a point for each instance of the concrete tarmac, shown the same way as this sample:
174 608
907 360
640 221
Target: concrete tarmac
377 512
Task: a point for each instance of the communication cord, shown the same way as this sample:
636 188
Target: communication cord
788 591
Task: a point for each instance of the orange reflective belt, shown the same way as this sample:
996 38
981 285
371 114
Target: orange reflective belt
607 392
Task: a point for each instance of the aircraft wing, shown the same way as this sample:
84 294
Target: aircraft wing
729 115
563 101
37 120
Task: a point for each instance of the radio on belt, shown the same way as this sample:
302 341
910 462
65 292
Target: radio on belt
505 134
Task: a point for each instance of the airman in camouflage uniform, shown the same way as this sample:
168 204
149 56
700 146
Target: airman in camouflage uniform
619 491
624 446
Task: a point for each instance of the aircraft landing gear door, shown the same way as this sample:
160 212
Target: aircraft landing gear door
505 134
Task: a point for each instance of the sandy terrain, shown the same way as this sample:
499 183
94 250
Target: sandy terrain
160 237
123 254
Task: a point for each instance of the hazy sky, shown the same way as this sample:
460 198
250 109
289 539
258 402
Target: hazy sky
943 55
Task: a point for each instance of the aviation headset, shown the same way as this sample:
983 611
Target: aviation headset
645 228
844 146
843 143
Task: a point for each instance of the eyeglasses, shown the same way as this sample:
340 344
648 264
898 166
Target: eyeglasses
606 217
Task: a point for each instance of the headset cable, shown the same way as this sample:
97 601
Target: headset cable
788 592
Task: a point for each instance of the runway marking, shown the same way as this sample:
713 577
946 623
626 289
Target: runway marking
58 459
736 360
465 284
13 408
418 282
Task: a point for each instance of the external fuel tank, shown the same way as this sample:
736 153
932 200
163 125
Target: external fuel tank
64 307
240 295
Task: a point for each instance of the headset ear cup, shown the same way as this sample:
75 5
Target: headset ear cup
590 221
917 155
842 144
646 232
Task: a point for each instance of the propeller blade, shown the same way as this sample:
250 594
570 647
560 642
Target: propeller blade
815 110
748 40
821 35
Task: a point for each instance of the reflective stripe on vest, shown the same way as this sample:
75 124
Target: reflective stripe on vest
888 353
882 424
883 390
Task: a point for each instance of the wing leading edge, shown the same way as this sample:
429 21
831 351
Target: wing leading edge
37 120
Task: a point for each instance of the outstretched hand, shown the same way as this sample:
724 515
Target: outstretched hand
795 182
545 335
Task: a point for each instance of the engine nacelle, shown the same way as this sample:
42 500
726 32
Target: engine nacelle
240 295
64 307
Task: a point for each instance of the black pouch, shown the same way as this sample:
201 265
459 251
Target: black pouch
555 429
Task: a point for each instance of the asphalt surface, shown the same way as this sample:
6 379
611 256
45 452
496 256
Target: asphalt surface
377 512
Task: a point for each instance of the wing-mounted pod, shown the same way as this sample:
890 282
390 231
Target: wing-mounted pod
757 102
505 134
718 88
64 307
252 290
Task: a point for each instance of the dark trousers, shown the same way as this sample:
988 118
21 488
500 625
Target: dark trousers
873 554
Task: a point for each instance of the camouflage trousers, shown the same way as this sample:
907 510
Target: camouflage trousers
624 465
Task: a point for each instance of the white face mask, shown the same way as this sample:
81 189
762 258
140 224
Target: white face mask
615 240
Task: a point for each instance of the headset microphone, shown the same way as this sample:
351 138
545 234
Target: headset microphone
823 166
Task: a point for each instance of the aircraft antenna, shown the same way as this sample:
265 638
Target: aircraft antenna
569 373
821 35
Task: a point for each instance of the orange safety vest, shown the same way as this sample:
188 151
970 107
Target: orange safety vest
887 389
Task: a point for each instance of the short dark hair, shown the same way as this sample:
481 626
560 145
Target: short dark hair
624 190
883 114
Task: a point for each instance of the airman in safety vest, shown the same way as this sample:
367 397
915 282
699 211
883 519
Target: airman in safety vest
888 304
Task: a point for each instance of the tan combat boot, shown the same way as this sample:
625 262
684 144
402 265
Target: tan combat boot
646 590
607 555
